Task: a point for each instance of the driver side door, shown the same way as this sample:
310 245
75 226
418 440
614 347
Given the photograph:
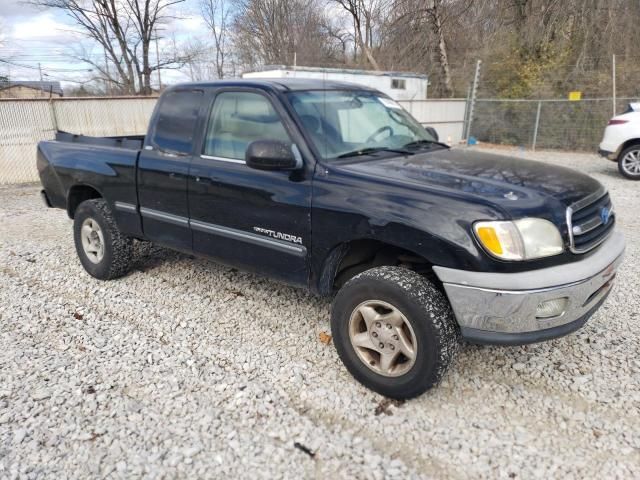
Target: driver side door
254 219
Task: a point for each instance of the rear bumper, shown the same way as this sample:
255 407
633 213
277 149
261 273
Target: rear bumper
608 155
503 308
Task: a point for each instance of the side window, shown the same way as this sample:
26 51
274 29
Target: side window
398 84
239 118
176 121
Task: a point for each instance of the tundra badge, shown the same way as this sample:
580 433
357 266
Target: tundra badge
279 235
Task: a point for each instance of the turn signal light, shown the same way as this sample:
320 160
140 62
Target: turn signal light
490 240
617 122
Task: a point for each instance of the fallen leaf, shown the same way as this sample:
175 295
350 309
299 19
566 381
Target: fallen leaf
385 403
78 316
325 338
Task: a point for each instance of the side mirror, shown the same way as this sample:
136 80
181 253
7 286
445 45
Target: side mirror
432 131
273 155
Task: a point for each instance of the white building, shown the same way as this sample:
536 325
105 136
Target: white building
398 85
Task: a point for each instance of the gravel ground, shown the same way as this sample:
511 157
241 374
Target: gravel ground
185 368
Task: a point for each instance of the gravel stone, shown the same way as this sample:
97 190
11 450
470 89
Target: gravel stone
19 435
187 369
518 367
41 395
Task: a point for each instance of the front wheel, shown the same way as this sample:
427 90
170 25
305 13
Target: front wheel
629 162
104 252
394 331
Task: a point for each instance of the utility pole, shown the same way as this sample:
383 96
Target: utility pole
41 85
107 80
158 63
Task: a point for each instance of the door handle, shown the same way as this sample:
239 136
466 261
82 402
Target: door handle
175 176
205 179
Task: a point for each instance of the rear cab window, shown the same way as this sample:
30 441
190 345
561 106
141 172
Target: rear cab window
176 121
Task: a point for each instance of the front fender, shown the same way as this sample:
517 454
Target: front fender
434 250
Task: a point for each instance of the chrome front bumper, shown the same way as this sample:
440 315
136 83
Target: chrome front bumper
501 308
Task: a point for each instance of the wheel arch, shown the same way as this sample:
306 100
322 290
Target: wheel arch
79 193
349 258
629 143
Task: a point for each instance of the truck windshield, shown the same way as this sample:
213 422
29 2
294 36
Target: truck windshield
350 123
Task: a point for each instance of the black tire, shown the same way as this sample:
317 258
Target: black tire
116 259
633 150
425 308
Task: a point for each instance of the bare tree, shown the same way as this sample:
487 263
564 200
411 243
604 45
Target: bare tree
282 32
530 47
362 14
217 16
438 17
124 29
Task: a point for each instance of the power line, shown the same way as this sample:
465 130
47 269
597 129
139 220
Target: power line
31 67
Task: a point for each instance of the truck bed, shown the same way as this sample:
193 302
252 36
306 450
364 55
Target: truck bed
132 142
76 167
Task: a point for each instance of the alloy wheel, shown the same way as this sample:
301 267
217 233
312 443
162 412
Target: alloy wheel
92 240
383 338
631 163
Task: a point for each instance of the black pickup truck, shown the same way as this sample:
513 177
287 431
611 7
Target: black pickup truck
335 188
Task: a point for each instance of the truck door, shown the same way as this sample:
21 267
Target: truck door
163 168
254 219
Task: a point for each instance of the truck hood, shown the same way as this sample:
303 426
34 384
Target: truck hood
512 183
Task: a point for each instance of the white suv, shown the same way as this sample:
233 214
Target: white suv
621 142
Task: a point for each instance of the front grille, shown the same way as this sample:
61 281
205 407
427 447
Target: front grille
590 223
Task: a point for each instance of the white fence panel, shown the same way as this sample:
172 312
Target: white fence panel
23 123
104 117
445 115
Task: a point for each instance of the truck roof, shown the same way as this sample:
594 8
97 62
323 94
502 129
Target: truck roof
280 84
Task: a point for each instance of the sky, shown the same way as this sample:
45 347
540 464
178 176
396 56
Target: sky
30 36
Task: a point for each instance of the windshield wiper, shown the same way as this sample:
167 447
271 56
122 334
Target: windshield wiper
370 150
424 143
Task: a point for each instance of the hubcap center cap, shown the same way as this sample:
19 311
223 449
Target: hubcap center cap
383 334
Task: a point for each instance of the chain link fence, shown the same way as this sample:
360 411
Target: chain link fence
547 124
23 123
531 107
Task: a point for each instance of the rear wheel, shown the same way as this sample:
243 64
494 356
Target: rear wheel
104 252
394 331
629 162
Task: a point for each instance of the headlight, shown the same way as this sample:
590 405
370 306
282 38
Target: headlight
522 239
